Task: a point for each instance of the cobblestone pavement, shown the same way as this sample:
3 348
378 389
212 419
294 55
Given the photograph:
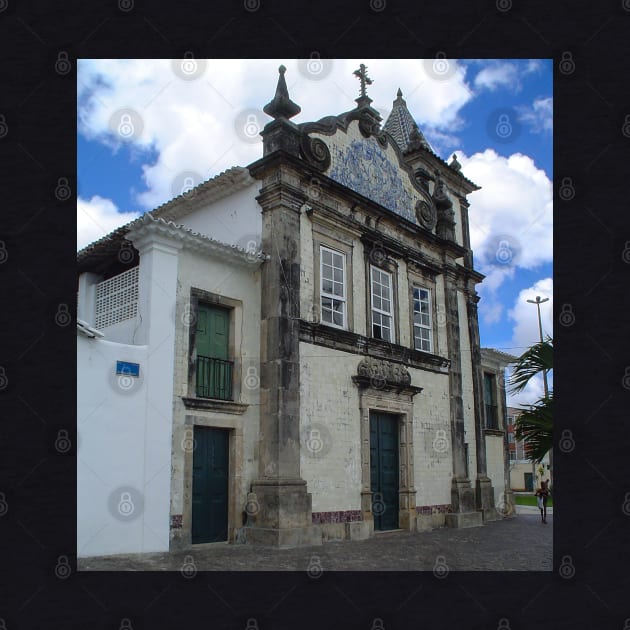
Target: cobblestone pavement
520 543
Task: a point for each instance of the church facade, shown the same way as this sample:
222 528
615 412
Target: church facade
300 349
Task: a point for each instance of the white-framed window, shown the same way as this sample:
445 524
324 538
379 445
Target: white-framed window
422 325
382 304
511 438
333 287
510 420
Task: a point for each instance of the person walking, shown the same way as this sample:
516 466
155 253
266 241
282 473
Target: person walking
542 494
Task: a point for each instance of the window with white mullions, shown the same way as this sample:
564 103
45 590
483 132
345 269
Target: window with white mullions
422 331
382 308
333 287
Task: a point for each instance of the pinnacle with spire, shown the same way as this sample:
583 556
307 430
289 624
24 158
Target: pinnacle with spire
403 128
281 106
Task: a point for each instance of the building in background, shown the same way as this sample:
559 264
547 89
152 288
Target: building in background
289 352
525 476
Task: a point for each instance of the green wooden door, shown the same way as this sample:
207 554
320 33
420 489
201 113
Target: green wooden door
384 470
529 482
214 373
210 485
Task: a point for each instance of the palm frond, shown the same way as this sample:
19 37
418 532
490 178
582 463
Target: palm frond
535 426
535 360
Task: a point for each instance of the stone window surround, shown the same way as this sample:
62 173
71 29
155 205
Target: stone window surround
235 308
236 501
342 244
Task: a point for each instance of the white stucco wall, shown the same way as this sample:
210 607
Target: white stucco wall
240 283
124 446
432 438
235 219
494 454
468 398
329 403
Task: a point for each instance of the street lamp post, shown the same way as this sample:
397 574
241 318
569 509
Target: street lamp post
538 301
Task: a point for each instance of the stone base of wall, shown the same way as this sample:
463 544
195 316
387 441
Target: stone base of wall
464 519
430 517
282 538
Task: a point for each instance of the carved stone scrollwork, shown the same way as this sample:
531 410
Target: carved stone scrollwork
382 373
316 152
426 215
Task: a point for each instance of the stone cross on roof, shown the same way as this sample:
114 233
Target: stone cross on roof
361 73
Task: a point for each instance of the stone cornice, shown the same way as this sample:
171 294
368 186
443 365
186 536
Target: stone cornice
346 341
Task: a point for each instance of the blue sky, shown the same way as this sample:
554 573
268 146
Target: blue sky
148 128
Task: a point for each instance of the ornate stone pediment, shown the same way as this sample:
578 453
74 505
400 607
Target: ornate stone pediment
381 374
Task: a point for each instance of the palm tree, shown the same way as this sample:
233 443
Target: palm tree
535 423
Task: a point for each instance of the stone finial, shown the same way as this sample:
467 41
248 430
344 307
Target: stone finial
455 164
282 106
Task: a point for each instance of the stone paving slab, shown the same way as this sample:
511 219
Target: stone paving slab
519 543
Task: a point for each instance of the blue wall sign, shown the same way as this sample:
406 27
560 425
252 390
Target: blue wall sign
128 369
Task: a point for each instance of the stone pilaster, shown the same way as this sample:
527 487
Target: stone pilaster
283 514
483 484
464 512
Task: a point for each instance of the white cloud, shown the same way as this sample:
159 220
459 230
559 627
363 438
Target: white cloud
538 116
191 124
504 74
511 217
97 217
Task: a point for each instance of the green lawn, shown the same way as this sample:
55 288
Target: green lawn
529 499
